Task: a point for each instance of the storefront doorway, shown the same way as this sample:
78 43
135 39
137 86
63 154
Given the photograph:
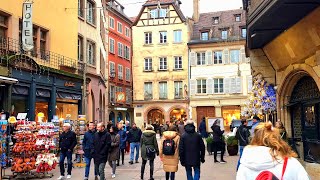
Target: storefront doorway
305 114
177 114
229 113
112 117
155 115
205 111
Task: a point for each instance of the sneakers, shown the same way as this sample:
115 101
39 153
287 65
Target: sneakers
85 178
60 178
131 162
216 161
113 176
223 162
137 161
68 176
96 178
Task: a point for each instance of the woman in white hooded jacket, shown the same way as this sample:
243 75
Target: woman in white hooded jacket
267 151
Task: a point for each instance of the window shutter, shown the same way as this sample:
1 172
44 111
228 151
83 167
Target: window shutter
193 58
238 85
226 84
242 55
225 57
193 85
249 83
210 86
209 58
233 85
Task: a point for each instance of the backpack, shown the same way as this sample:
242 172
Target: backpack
267 175
169 147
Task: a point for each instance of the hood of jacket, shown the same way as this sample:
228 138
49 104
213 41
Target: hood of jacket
149 133
170 134
190 128
258 158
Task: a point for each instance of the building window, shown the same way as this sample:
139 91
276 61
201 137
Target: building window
163 63
234 56
112 69
119 27
126 52
201 58
111 46
127 74
154 13
217 57
111 23
148 90
178 62
163 90
218 85
148 38
80 8
90 12
216 20
205 36
80 48
90 53
158 13
43 39
177 36
120 49
148 64
127 32
162 13
201 86
224 34
120 71
237 17
243 32
3 25
112 94
128 95
163 37
178 94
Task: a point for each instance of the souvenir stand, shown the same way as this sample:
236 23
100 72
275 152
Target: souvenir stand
3 145
80 129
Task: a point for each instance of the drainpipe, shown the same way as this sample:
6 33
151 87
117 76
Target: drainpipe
189 89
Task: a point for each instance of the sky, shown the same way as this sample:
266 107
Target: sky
133 7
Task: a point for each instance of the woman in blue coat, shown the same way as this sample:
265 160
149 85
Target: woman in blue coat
123 140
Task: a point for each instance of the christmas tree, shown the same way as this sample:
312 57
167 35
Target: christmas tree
261 100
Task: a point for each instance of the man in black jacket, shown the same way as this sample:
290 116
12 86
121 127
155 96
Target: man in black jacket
191 151
102 143
242 135
134 137
67 142
88 148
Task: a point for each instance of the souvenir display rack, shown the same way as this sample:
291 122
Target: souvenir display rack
3 146
80 128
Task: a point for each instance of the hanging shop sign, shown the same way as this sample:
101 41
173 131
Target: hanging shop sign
27 28
120 109
64 95
69 84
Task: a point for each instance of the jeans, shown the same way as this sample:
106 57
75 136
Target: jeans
88 162
134 145
113 165
170 175
143 166
63 155
241 150
100 167
196 172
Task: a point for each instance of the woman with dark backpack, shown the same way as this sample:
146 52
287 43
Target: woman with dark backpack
169 152
149 149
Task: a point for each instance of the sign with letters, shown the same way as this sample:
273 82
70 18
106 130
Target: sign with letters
27 28
69 84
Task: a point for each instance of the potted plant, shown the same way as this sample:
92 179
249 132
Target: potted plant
209 141
232 145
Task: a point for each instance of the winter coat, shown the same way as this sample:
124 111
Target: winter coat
114 149
217 133
67 141
148 139
181 129
134 135
256 159
243 135
170 163
102 143
191 147
87 143
203 129
123 139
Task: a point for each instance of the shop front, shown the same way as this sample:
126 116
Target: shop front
230 113
116 114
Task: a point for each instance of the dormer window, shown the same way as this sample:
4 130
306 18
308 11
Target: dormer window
237 17
158 13
205 36
215 20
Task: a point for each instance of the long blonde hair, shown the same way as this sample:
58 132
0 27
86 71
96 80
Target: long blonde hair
266 135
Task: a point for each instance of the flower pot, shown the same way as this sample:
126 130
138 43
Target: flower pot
232 150
209 148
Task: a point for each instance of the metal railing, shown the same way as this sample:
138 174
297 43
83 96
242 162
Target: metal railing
9 46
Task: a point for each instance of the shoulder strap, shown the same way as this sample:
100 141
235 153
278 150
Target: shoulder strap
284 166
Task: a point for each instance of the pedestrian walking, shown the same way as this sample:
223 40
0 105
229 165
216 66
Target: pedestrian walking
242 135
127 128
282 130
191 151
218 143
181 128
149 149
267 154
169 152
123 141
255 123
88 148
102 143
134 137
203 128
114 149
166 125
67 142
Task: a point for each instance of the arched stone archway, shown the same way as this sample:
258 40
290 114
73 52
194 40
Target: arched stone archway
177 113
112 117
147 110
154 114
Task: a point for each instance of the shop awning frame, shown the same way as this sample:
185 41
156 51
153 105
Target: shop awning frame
8 80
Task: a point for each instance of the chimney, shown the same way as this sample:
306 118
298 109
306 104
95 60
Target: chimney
196 13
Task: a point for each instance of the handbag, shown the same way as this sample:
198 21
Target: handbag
151 152
267 175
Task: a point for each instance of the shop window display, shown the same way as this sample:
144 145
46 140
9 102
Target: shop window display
41 112
67 107
230 113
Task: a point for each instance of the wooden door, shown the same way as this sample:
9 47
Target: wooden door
205 111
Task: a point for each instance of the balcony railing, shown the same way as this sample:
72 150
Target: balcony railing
218 40
9 46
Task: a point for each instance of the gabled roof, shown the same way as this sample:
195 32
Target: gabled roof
114 7
174 3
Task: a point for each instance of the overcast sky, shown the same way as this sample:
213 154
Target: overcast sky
132 7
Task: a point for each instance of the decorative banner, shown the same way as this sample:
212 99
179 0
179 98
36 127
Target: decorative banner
27 28
121 97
